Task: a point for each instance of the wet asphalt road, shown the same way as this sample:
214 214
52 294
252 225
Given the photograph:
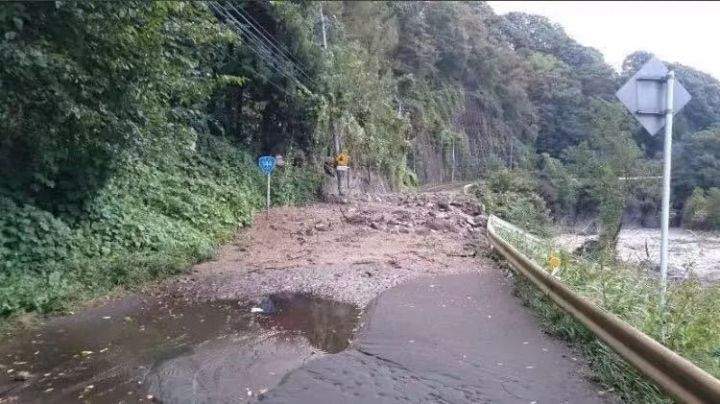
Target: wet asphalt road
447 339
450 339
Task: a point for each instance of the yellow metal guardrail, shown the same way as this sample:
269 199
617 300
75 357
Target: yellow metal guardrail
676 375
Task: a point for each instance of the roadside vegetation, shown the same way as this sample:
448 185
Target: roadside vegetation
691 324
589 181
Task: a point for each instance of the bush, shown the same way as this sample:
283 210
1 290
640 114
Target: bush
150 220
702 209
512 195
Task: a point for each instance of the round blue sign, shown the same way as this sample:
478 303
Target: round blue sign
266 164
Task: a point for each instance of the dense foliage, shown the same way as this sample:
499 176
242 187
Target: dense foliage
119 163
513 195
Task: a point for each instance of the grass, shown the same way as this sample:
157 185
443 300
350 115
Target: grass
692 320
148 222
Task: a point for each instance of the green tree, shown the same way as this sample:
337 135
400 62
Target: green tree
81 83
696 163
602 161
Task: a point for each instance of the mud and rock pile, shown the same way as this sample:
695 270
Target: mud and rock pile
420 214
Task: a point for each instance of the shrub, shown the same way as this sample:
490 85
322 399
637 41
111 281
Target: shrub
512 195
702 209
149 220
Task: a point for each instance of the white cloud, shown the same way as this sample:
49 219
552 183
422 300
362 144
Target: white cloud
685 32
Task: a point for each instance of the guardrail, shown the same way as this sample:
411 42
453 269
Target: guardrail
676 375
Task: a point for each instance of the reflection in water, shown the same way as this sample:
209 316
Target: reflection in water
327 325
139 348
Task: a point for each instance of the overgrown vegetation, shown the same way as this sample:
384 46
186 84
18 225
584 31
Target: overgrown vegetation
120 160
702 209
512 195
149 220
692 319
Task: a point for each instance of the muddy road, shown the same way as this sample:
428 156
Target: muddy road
385 299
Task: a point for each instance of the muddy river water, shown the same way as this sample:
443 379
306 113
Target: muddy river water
459 338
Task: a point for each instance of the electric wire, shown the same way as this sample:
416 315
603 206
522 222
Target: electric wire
261 57
258 46
267 36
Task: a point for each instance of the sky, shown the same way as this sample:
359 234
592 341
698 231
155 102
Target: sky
686 32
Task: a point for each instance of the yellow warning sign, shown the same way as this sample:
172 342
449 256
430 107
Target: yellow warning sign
342 159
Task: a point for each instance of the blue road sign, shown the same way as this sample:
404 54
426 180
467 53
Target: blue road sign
266 164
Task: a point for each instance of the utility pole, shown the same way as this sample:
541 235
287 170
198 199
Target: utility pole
322 23
335 136
452 172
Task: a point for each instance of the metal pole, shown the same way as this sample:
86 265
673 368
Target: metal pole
267 201
665 219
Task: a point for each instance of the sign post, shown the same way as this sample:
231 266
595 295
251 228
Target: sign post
267 165
653 96
667 162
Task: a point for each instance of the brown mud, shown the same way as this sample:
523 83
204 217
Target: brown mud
195 339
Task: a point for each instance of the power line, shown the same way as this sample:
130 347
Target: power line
249 36
260 55
263 32
260 47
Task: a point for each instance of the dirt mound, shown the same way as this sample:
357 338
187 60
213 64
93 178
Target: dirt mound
350 250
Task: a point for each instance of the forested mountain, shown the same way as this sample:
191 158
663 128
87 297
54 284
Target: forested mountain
129 130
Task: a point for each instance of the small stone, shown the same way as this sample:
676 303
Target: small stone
22 375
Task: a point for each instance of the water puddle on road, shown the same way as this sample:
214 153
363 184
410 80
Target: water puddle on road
171 351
